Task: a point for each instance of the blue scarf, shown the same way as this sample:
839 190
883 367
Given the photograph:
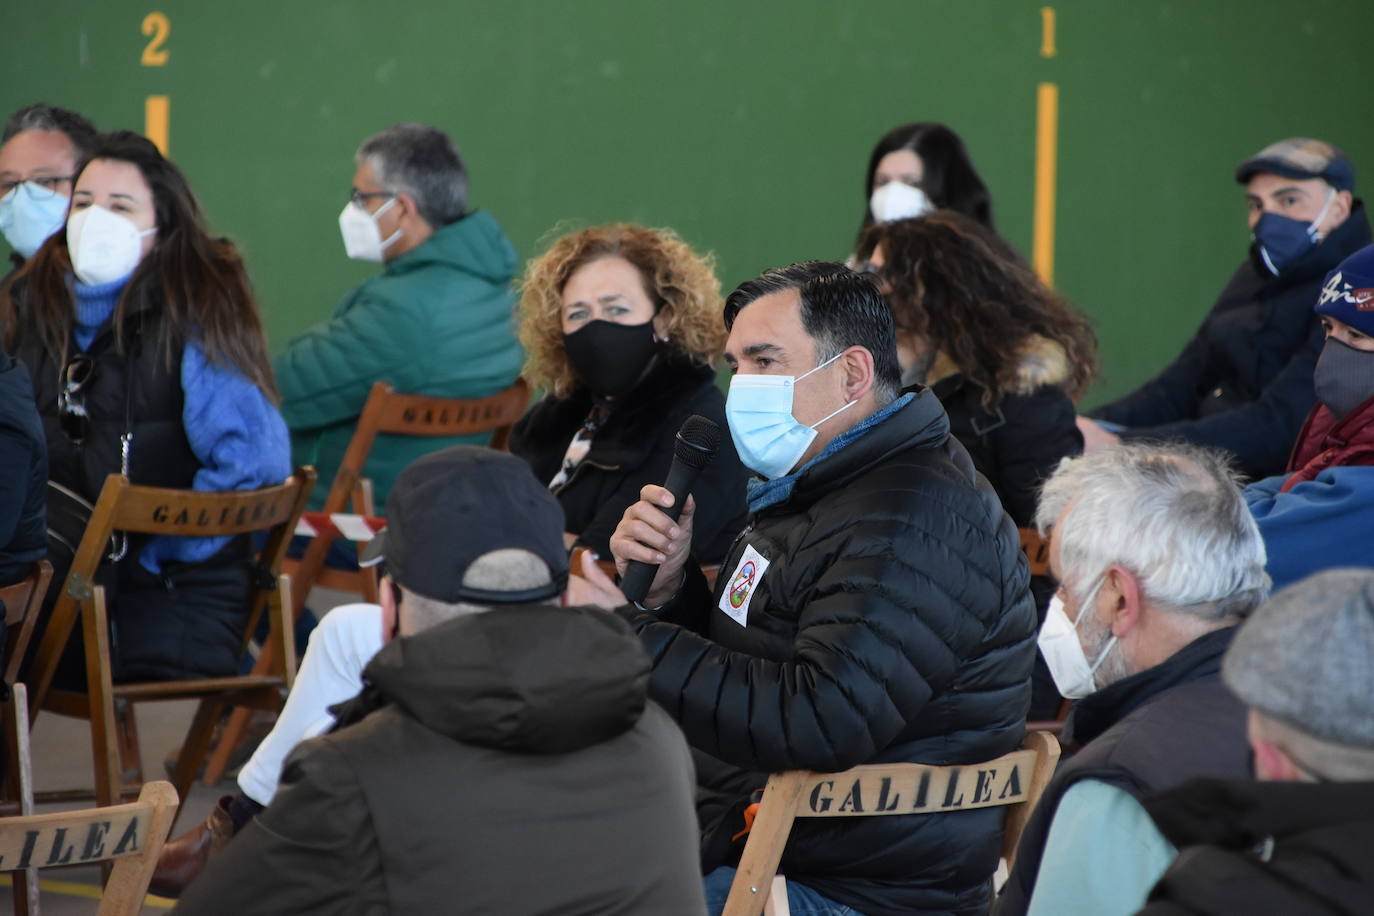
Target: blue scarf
94 306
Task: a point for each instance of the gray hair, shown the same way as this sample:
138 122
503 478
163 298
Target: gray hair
1173 515
48 117
505 570
420 161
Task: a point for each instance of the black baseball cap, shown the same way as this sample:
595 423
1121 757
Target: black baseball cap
1301 157
450 507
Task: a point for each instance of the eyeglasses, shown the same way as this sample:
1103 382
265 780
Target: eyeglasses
47 182
71 406
358 198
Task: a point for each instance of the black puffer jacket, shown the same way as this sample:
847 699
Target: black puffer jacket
634 447
1016 443
506 762
1244 382
1019 440
892 623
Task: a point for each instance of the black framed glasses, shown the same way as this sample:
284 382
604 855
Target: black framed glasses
46 182
360 198
71 403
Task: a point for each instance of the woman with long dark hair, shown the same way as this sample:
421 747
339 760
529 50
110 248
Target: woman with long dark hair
148 357
1005 355
918 168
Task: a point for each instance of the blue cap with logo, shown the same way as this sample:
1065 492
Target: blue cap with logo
1348 293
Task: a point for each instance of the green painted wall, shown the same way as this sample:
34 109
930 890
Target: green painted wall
744 125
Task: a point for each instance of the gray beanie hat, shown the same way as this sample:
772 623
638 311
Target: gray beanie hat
1306 657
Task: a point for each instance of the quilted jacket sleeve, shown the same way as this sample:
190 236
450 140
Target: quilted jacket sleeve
326 373
883 599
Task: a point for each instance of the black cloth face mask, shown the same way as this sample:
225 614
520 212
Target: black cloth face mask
610 358
1344 378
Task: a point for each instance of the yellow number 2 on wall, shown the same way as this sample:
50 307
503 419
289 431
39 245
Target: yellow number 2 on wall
158 27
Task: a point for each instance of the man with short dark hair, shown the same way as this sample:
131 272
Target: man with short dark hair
1157 559
503 756
437 321
1244 382
1300 840
40 151
875 608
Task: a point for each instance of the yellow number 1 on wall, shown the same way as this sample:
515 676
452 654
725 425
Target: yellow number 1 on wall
157 109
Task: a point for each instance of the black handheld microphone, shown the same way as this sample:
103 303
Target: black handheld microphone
696 445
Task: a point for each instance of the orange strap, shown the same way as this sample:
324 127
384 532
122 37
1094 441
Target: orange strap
749 814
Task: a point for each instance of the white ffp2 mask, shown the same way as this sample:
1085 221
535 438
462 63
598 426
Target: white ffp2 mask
104 246
1069 666
897 200
362 239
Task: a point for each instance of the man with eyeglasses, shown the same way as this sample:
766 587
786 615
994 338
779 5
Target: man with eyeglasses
436 321
39 153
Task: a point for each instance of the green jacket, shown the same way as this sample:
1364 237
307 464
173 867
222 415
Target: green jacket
439 320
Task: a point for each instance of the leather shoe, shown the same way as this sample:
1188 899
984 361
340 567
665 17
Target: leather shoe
184 858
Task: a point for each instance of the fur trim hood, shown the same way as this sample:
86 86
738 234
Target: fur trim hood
1041 362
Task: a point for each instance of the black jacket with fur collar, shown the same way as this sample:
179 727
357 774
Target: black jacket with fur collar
634 447
1018 441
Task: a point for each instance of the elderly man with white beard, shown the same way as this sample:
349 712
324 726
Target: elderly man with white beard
1158 559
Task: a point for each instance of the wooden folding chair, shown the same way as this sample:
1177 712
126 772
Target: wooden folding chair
387 412
876 790
22 602
152 510
130 835
20 760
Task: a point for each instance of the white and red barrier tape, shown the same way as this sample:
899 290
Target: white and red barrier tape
357 528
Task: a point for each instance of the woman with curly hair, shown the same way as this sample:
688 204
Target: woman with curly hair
622 328
1004 354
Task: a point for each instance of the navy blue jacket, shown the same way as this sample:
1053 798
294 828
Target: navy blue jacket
23 474
1244 382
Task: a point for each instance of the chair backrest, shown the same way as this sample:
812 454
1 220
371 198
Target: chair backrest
883 789
122 506
386 411
22 602
132 835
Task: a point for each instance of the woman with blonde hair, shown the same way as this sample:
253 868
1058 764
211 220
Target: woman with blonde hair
622 328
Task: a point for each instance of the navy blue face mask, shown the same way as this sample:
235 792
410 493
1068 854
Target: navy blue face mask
1283 240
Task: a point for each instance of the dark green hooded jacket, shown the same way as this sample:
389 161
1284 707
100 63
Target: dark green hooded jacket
439 320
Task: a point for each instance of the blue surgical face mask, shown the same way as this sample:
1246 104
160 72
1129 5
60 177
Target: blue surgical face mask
768 439
29 214
1283 240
